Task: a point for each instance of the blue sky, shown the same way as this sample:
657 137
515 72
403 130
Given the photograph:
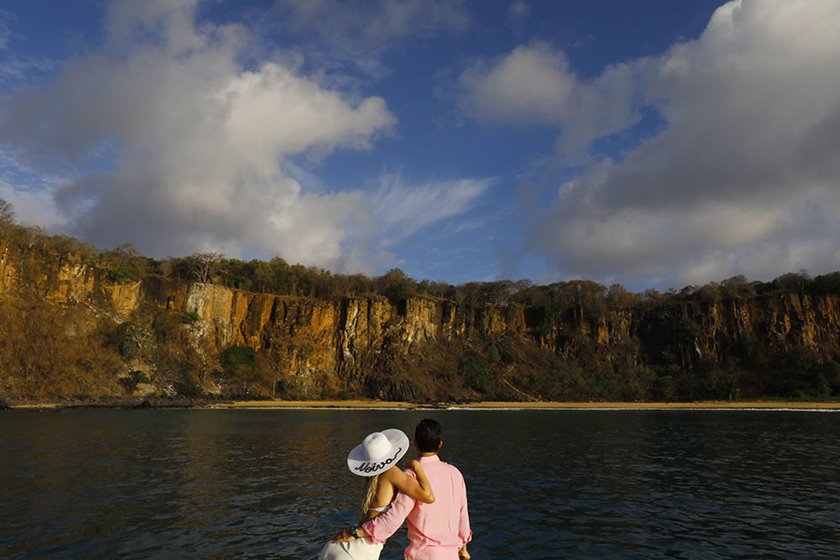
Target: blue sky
654 144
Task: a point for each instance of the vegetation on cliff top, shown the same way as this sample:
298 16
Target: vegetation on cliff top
52 352
126 264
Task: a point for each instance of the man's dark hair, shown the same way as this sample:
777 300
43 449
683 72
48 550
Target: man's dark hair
428 435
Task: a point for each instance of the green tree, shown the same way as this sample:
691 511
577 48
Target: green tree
396 285
619 298
827 283
736 287
796 282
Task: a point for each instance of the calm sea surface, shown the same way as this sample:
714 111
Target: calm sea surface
542 484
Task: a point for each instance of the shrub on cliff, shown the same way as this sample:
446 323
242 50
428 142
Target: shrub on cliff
477 374
236 358
827 284
125 264
123 275
132 340
50 353
802 375
305 352
134 378
396 285
190 317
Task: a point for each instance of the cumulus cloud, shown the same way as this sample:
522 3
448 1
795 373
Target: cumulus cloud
172 145
743 177
164 138
534 84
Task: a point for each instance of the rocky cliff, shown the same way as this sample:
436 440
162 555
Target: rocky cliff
157 336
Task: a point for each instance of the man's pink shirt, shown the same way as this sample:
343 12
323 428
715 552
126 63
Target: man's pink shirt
435 531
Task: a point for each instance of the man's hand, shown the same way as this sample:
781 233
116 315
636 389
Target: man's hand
351 535
413 464
344 535
463 554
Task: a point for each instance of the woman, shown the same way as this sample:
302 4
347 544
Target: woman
376 459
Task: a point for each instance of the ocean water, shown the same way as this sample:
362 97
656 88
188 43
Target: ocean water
542 484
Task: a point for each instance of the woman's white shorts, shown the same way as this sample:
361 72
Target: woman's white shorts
360 549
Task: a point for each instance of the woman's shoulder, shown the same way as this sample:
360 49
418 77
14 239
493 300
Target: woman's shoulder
396 470
391 474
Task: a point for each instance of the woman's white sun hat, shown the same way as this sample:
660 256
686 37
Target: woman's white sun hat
378 452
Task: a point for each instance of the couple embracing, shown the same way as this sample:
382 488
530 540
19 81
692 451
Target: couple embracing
431 496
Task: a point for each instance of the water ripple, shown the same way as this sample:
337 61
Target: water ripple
542 484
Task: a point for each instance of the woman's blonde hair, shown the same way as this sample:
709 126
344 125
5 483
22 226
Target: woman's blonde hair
372 484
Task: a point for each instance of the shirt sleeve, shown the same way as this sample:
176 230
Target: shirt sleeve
381 527
464 531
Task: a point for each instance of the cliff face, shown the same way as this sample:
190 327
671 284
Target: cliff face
740 329
340 344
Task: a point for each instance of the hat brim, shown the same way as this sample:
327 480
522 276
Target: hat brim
360 465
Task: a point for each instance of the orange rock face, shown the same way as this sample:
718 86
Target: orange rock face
339 342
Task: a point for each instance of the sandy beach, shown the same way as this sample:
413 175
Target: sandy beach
482 405
490 405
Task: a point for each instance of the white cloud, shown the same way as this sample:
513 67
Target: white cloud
167 140
358 32
402 210
14 69
531 84
34 208
743 179
29 192
534 84
198 142
373 24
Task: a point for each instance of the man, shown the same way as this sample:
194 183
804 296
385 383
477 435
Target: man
437 531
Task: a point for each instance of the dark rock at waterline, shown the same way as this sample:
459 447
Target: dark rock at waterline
143 405
4 405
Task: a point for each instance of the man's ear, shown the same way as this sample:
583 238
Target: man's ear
440 445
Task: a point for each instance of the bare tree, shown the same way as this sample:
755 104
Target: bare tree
202 266
7 214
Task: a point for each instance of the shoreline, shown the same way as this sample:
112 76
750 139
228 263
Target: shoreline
358 404
548 405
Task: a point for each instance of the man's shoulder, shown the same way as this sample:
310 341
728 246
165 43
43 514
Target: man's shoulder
451 469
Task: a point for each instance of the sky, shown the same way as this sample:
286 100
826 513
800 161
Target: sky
655 144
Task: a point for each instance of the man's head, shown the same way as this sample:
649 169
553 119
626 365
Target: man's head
428 436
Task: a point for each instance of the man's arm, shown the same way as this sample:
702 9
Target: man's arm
381 527
464 531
